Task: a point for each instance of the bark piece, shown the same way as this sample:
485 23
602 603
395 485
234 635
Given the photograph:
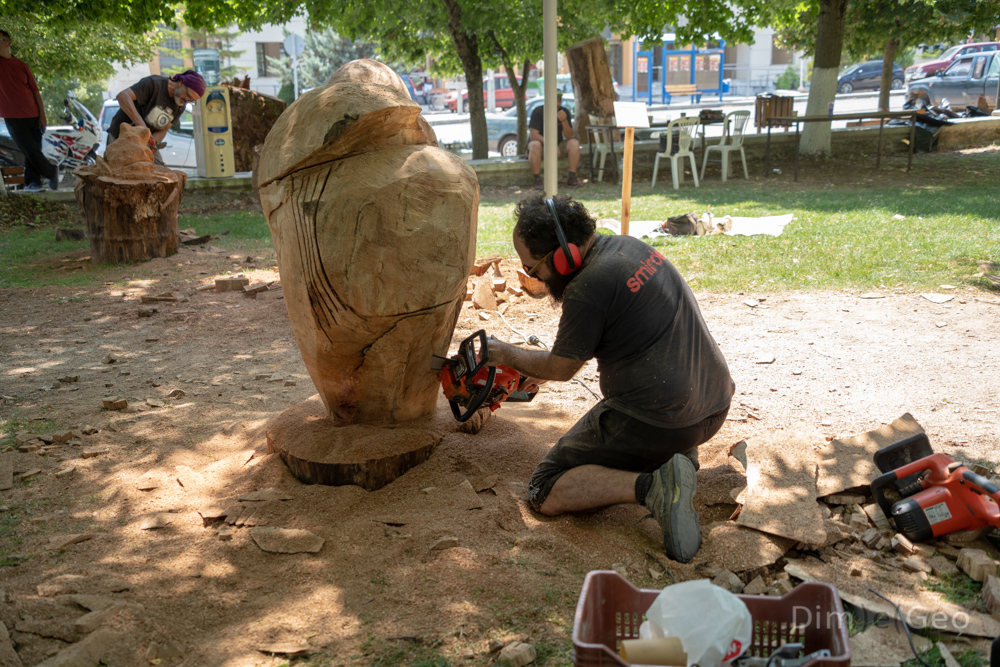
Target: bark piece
483 295
917 564
90 622
356 195
729 581
286 540
877 516
942 567
847 463
6 471
844 499
129 203
755 587
318 450
902 544
284 648
531 285
518 654
739 549
991 595
116 403
781 487
89 651
976 563
483 264
949 659
63 541
8 656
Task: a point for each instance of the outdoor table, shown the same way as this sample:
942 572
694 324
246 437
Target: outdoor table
882 116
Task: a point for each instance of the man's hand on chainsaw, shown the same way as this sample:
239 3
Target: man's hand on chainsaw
540 365
530 385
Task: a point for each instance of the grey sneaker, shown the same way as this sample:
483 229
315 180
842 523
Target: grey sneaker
693 455
669 499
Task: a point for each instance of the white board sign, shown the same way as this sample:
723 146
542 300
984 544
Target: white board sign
631 114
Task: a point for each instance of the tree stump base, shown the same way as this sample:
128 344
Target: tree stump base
321 450
129 203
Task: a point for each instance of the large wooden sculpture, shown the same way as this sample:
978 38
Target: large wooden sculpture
375 231
130 204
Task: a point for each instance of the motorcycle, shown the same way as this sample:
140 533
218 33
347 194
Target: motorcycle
74 144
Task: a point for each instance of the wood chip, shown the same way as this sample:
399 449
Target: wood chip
265 495
884 647
284 648
286 540
63 541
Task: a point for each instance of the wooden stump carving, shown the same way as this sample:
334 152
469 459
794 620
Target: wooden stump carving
375 232
129 203
254 114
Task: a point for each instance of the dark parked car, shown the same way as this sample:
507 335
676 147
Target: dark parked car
868 76
10 154
501 128
966 80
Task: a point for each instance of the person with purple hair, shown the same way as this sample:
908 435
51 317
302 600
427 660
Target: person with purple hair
156 102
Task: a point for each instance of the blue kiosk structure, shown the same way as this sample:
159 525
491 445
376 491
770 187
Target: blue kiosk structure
702 68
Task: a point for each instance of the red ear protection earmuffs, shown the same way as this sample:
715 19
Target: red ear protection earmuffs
567 258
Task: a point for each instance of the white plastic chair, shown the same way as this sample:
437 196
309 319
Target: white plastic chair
732 140
685 129
601 145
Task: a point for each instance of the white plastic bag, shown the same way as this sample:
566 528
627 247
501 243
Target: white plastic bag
714 625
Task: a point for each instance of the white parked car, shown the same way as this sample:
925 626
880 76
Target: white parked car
179 151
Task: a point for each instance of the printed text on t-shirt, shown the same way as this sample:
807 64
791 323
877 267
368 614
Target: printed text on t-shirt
646 270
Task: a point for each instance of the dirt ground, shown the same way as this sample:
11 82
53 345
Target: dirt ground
378 591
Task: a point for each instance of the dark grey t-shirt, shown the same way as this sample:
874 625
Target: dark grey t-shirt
537 121
631 309
153 102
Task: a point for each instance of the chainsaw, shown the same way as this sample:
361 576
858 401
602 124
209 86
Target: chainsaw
469 383
939 495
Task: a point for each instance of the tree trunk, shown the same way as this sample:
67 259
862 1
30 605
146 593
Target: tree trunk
888 57
467 47
592 84
829 45
129 203
253 115
520 94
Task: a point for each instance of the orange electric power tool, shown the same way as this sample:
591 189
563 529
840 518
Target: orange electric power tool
469 383
939 494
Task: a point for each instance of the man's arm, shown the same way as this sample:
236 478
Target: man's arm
126 99
567 124
535 135
539 364
42 123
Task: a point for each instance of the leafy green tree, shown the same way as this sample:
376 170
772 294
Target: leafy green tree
78 56
325 52
484 33
864 29
191 39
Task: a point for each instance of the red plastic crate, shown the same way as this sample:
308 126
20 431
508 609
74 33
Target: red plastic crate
611 609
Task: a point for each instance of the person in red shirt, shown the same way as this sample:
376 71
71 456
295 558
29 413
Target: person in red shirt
22 109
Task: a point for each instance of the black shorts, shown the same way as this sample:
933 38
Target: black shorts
612 439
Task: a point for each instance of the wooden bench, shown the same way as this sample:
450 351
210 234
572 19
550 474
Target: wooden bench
683 89
13 178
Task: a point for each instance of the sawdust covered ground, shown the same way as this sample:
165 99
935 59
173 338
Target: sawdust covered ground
842 364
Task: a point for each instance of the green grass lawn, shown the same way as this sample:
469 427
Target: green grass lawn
844 235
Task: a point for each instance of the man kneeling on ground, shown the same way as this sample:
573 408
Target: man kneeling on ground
666 385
